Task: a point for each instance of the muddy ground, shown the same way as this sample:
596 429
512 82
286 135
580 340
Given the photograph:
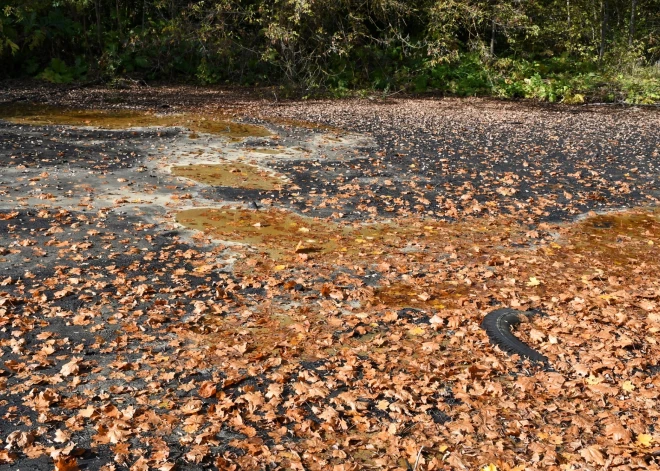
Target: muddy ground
299 285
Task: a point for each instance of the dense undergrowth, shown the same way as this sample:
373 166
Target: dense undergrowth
573 52
551 80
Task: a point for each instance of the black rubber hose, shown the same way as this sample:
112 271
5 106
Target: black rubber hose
498 324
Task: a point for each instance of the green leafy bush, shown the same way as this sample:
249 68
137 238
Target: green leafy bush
540 50
59 72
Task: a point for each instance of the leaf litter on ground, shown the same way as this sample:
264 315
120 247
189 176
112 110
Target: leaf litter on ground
128 346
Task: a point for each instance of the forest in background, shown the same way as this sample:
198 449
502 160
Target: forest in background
551 50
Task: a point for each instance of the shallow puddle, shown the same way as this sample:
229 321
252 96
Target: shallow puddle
281 233
436 297
619 239
236 175
123 119
622 223
276 232
267 151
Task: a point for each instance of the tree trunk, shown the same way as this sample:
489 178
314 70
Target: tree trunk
603 30
633 15
88 51
97 7
492 39
121 34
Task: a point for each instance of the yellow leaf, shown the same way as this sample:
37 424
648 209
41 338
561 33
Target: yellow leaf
443 448
593 380
533 281
416 331
644 439
203 269
628 386
279 267
489 467
303 229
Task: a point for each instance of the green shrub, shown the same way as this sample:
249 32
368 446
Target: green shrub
59 72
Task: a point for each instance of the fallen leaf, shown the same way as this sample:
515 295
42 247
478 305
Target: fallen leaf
533 281
207 389
592 454
62 436
66 463
416 331
644 439
628 386
71 368
6 457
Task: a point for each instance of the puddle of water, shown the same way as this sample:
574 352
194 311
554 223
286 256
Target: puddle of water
267 151
619 239
284 320
236 175
436 297
281 233
276 232
52 115
622 223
